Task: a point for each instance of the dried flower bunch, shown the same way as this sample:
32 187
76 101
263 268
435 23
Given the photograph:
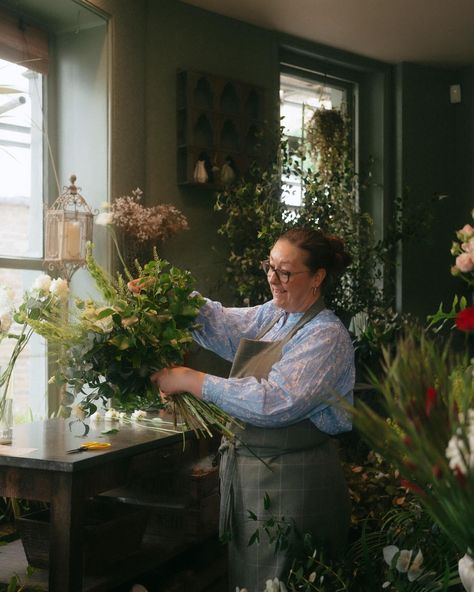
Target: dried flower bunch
155 223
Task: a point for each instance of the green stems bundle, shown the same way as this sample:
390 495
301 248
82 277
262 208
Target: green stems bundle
199 415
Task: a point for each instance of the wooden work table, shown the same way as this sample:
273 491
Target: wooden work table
36 466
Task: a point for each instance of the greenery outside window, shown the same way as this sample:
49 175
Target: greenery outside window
301 94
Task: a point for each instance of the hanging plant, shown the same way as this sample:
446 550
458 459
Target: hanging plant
327 134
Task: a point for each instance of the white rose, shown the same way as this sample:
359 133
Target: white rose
138 415
59 288
42 283
5 321
104 219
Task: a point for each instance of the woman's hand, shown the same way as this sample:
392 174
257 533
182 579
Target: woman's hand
178 380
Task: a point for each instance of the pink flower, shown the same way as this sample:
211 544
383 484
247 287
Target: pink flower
464 262
467 229
468 247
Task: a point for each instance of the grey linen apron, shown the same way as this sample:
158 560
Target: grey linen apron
305 485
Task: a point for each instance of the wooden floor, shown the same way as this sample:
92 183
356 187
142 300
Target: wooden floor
201 567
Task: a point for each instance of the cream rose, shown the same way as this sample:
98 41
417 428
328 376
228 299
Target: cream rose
59 288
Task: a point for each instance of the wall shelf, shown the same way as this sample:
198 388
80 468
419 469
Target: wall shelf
219 121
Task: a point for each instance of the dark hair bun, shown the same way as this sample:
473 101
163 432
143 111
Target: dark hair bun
341 257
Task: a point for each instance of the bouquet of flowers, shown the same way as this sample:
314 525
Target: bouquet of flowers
463 249
107 351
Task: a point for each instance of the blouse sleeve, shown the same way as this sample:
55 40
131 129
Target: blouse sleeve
316 367
221 328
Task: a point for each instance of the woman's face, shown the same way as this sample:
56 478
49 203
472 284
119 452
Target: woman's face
302 289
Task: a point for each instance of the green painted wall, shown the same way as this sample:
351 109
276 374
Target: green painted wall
434 167
180 36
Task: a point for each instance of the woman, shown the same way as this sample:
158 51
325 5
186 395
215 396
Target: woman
291 357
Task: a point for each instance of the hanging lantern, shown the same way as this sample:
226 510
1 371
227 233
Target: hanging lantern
69 223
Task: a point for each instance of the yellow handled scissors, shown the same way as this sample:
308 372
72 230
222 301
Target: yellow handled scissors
90 446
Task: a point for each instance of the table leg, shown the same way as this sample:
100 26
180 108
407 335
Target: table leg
65 554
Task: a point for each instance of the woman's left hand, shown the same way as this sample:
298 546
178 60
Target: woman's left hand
178 380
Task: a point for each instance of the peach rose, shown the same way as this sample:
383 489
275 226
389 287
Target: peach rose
464 262
467 229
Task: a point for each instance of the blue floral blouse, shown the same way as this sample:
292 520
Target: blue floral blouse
316 367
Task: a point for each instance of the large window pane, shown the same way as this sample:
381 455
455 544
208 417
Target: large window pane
21 195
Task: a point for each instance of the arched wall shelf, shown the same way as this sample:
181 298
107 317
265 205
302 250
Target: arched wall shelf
218 119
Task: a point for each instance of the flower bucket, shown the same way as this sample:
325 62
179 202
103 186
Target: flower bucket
112 531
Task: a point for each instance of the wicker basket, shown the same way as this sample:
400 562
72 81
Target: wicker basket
112 531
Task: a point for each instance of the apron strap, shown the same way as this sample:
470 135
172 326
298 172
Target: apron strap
312 311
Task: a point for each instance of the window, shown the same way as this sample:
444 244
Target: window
21 216
300 96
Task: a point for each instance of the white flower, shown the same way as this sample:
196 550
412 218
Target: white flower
466 572
415 570
404 563
60 288
458 454
42 283
104 219
275 586
112 415
138 415
97 417
385 585
5 320
389 553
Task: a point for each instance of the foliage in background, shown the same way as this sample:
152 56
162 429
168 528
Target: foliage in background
254 216
381 329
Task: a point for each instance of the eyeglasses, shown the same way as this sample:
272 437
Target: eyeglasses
283 276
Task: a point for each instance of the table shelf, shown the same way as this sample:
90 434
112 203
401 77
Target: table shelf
155 551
